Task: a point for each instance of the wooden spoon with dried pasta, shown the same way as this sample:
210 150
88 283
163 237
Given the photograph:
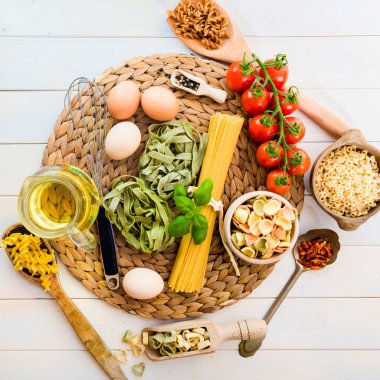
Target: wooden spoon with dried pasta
233 49
86 333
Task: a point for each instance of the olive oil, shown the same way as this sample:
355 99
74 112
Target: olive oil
52 206
57 201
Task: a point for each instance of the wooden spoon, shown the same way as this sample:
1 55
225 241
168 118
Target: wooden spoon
230 51
248 329
87 334
233 49
249 347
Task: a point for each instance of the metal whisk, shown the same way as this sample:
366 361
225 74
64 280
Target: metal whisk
86 107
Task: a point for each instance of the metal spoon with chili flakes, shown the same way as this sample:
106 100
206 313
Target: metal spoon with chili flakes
312 251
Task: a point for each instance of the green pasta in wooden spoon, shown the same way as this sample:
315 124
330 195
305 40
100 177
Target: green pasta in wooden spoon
141 215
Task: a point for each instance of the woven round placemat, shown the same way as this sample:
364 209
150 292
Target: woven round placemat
222 287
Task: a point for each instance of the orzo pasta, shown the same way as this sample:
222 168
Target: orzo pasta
348 181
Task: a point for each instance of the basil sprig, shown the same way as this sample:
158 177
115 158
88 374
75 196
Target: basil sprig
191 219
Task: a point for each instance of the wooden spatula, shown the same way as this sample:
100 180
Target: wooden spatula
246 330
233 50
87 334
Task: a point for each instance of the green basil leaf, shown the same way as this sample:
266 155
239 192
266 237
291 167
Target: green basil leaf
180 190
184 204
199 228
202 195
180 226
197 210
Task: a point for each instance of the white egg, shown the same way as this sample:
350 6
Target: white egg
122 140
143 283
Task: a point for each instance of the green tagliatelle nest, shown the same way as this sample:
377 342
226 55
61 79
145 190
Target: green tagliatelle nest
142 217
173 154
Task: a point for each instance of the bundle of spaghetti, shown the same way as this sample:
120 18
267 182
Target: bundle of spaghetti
190 265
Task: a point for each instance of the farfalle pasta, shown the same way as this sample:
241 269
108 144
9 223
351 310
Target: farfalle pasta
26 254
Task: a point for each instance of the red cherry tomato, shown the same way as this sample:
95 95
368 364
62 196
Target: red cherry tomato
254 104
263 128
236 80
299 161
278 181
268 155
279 76
295 130
288 106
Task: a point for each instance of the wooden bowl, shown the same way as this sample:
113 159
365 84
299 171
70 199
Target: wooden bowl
351 137
227 228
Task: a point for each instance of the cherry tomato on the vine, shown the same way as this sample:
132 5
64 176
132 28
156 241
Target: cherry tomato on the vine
269 155
278 181
263 128
287 105
279 75
295 130
299 161
236 79
255 103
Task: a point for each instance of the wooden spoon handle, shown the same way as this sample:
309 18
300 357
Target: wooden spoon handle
87 334
284 292
322 116
247 329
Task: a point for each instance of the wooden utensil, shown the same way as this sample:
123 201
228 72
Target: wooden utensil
233 49
249 347
247 329
87 334
203 88
351 137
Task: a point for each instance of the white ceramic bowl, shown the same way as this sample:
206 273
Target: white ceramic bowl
227 228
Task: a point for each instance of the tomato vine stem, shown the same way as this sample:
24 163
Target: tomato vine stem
277 112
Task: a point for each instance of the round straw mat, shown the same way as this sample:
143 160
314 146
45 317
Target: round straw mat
222 287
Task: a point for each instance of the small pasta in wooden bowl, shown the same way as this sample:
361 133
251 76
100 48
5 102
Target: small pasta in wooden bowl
345 180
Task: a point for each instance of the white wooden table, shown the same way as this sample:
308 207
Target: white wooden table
329 326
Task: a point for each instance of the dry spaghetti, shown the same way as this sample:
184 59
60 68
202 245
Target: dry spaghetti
191 261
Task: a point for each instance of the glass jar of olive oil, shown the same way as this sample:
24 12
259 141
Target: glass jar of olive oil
60 201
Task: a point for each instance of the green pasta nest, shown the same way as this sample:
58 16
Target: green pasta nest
173 155
141 215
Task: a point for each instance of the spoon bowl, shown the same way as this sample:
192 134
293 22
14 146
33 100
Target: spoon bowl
329 235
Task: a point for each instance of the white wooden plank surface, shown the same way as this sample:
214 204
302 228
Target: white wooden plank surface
328 327
321 323
19 127
265 365
51 64
123 18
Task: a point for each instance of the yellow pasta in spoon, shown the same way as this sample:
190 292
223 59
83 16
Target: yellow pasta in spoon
26 254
